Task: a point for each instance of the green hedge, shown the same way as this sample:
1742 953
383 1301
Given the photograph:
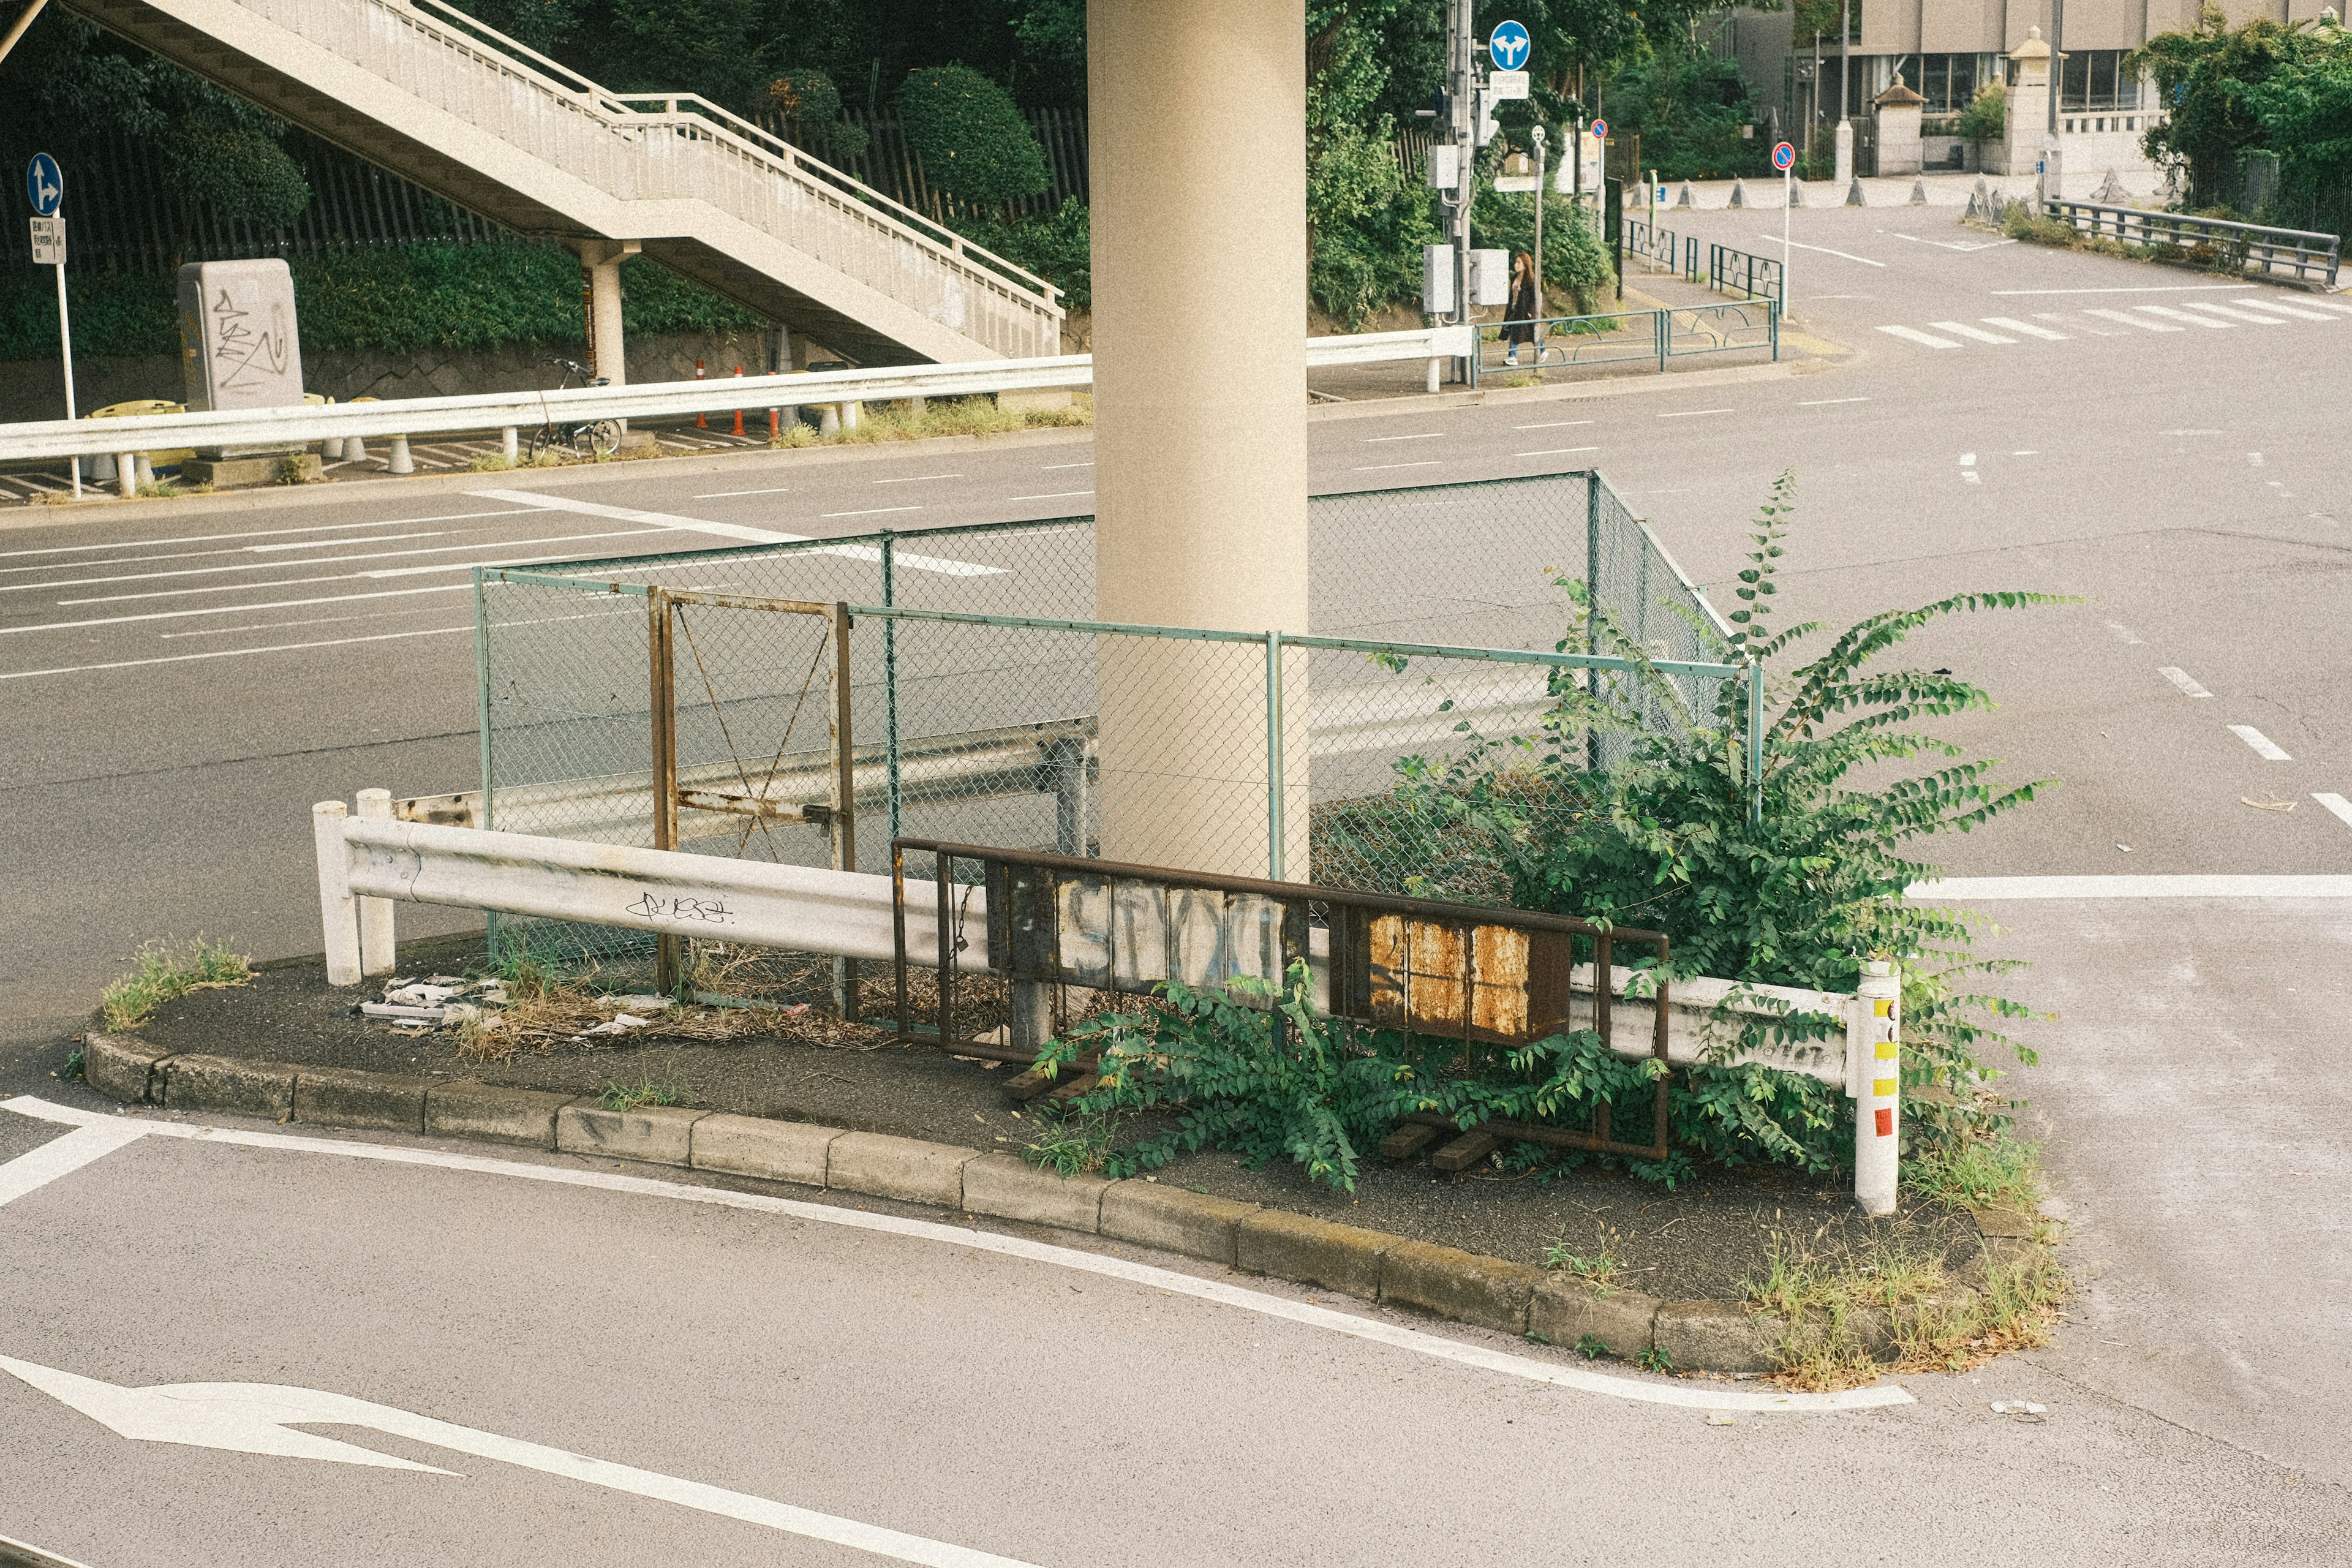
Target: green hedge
397 300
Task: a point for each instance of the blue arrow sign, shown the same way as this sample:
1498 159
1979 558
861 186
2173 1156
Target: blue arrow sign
1508 46
46 184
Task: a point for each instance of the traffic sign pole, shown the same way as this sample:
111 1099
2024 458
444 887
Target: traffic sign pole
65 345
1786 157
45 186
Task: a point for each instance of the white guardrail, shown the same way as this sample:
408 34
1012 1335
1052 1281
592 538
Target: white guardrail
514 411
369 860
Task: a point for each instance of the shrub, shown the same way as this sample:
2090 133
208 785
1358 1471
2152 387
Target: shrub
163 974
1055 246
970 136
1578 270
1986 119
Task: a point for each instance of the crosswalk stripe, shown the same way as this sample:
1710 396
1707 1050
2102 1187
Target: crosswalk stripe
2128 319
1963 330
2330 305
2012 324
1914 335
2168 313
2300 315
2226 314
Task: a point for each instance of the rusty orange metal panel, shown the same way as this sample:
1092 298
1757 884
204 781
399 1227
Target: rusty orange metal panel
1434 955
1387 973
1499 990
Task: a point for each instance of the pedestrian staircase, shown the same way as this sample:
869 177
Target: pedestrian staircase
420 89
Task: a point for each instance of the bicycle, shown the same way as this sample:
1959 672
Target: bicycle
584 439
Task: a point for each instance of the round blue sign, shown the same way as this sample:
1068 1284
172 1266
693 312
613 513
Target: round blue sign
1508 46
1601 131
1784 156
46 184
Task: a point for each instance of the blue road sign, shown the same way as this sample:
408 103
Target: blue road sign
1784 156
46 184
1508 46
1601 131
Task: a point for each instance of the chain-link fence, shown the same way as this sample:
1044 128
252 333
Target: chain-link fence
1434 716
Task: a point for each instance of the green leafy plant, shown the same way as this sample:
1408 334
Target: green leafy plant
1591 1347
164 973
74 1063
1655 1360
619 1096
1986 119
970 135
1595 1270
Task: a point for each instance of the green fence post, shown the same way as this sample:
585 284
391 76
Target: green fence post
1592 605
1273 827
1665 324
890 682
1755 740
1772 316
482 717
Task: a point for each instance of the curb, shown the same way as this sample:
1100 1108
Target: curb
1371 1264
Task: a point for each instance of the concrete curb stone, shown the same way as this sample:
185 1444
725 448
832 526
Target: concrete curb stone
120 1067
905 1168
226 1083
338 1097
1010 1187
1175 1218
1312 1251
1719 1336
1462 1285
758 1146
496 1115
658 1134
1564 1310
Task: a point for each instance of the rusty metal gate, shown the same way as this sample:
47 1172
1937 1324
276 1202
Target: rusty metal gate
1058 923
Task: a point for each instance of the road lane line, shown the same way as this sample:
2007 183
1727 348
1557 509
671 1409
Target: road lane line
2298 314
2135 289
1425 435
2011 323
233 609
1694 413
231 653
1913 334
1988 889
1552 425
1425 463
289 626
2264 747
918 479
1961 328
1052 495
2181 678
2335 805
1690 1395
1555 451
252 534
868 511
2169 315
630 514
2228 314
1823 250
343 576
2336 305
722 495
63 1156
330 544
2128 319
1049 467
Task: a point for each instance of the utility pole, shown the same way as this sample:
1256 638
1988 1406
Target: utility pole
1462 111
2052 171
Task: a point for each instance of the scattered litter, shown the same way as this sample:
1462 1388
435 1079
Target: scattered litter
1719 1418
423 994
2267 805
640 1004
2025 1408
618 1024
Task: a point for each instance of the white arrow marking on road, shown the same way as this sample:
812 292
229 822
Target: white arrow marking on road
734 530
62 1157
257 1418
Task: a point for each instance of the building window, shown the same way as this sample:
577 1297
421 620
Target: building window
2095 78
1949 82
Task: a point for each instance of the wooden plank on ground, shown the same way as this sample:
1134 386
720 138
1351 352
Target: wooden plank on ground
1406 1141
1471 1148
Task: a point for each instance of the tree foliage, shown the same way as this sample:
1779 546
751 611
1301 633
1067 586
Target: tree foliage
2261 87
970 136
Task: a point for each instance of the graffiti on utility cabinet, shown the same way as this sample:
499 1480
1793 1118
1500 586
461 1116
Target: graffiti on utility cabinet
239 343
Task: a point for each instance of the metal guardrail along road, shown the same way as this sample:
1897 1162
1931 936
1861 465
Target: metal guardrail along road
2306 253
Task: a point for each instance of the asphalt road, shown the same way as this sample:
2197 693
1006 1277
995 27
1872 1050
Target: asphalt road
2187 485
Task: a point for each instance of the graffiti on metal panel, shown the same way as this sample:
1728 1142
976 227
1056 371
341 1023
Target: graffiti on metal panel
687 911
246 351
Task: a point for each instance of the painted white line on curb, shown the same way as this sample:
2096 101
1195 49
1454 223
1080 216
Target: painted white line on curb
2264 747
1983 890
2182 678
2335 805
1395 1335
63 1156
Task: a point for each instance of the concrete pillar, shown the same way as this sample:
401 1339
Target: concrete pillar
599 281
1197 121
2029 106
1844 176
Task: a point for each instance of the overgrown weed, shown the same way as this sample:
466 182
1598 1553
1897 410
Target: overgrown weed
163 974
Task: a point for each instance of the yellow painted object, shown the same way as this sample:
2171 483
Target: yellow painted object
142 406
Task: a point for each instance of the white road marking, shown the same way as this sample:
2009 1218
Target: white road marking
349 576
261 1418
1052 495
2126 633
1972 476
256 534
1425 463
1986 889
2027 452
332 543
2012 324
1962 328
722 495
918 479
1967 459
1399 1336
2335 805
1824 251
2169 315
2141 288
2128 319
868 511
2264 747
231 609
1425 435
2228 314
1825 402
653 518
1555 451
2300 315
2182 678
2337 305
2254 460
2192 432
2054 315
288 565
1049 467
1552 425
63 1156
1694 413
1913 334
289 626
232 652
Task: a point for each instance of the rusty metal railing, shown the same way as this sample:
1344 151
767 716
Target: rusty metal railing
1055 923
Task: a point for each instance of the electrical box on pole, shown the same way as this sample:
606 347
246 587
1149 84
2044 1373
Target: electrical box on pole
1437 279
1445 166
1490 277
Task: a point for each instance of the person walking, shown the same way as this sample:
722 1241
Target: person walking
1521 326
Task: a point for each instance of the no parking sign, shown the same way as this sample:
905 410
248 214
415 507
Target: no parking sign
1784 157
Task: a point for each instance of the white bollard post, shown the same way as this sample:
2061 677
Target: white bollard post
828 420
1874 1070
376 942
1436 374
355 448
126 474
330 450
401 462
510 444
335 901
146 472
102 468
849 414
